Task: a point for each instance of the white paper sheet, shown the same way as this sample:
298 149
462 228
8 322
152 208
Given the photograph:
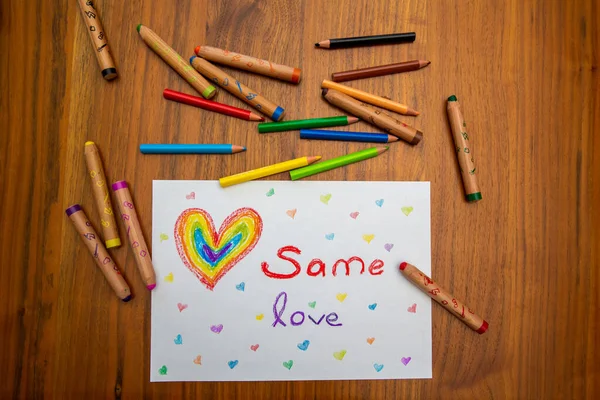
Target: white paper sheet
361 326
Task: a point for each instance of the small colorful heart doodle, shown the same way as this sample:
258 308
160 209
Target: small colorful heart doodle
368 238
407 210
304 345
178 339
241 286
162 370
259 317
330 236
271 192
210 254
339 355
216 328
378 367
388 246
325 198
379 202
341 296
291 213
312 304
181 306
370 340
191 196
254 347
163 237
412 309
232 364
372 306
405 360
198 360
354 214
169 278
288 364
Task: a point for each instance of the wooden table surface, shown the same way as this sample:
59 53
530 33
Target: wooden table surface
526 257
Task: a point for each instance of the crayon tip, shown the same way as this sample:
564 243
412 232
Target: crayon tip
89 143
197 50
126 299
324 92
138 27
452 98
352 120
192 58
417 138
150 287
317 44
483 327
402 266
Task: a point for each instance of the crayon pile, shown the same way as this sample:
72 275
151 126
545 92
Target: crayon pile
204 77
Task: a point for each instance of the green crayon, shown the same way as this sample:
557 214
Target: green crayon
336 162
312 123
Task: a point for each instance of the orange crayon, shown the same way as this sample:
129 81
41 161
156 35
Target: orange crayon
443 297
99 252
134 233
103 203
248 63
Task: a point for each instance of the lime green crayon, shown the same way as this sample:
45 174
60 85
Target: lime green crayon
336 162
305 124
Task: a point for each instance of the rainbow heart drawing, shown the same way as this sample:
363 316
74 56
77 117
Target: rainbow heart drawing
210 254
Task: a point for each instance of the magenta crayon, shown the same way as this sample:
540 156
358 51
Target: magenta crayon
99 252
134 233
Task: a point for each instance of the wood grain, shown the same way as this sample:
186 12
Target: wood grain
526 257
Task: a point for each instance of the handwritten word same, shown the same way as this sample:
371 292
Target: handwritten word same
317 267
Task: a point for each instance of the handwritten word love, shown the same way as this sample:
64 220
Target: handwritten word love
298 317
376 267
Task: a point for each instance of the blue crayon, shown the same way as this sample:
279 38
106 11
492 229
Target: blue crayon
191 148
369 137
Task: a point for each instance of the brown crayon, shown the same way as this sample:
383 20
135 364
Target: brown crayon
379 70
101 195
98 38
443 297
248 63
135 234
464 152
99 252
374 116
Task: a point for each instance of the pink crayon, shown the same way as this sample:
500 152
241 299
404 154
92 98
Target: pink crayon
98 251
134 233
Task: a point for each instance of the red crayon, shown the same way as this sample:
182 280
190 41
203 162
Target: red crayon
443 297
210 105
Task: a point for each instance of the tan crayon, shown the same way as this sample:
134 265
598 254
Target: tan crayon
103 203
374 116
99 39
443 297
237 88
175 61
247 63
134 233
463 150
99 252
